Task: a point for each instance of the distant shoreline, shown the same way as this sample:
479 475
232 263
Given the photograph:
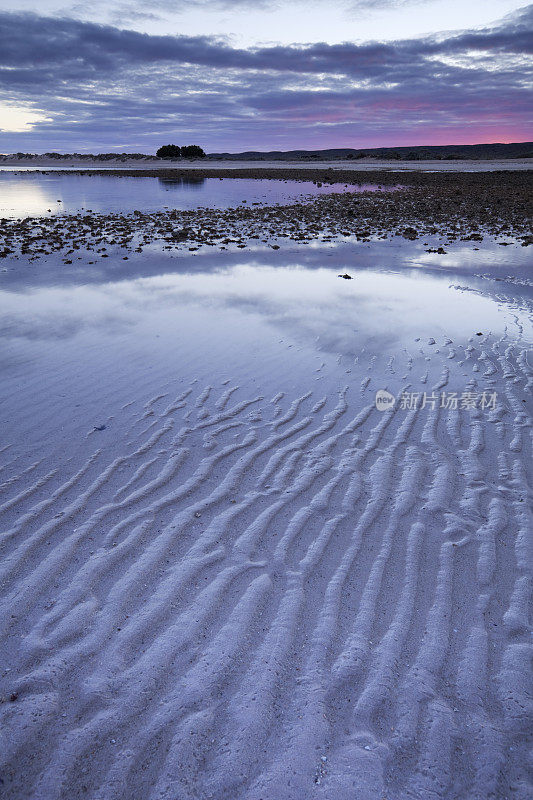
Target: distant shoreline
338 170
390 156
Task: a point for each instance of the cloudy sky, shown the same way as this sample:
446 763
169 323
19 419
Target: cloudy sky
263 75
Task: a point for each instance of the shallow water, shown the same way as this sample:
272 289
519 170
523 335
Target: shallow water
223 565
85 338
398 297
28 194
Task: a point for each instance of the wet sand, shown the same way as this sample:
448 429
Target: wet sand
225 572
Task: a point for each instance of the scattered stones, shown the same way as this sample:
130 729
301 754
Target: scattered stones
346 276
452 206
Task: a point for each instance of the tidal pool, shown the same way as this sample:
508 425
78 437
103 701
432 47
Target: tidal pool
29 193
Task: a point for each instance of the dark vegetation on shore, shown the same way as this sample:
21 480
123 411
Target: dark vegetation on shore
170 151
448 207
78 156
422 153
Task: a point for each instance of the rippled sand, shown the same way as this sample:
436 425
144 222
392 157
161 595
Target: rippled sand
225 573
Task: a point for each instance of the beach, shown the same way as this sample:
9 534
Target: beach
265 479
210 164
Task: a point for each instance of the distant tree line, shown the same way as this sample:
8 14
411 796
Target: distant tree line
84 156
174 151
168 151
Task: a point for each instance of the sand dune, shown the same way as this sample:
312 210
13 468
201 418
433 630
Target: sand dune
257 595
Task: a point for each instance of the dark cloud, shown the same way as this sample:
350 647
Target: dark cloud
32 42
106 88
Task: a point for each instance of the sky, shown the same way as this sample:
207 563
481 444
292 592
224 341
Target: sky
263 75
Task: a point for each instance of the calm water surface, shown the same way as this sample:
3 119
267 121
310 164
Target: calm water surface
26 194
397 294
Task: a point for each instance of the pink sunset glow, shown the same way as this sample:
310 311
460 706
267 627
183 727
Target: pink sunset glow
88 87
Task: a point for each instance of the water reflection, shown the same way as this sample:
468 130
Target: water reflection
41 194
506 269
180 183
381 311
23 199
